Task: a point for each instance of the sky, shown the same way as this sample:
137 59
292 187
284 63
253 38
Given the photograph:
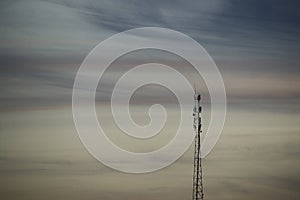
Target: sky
255 45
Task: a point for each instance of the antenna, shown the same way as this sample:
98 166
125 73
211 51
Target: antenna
197 178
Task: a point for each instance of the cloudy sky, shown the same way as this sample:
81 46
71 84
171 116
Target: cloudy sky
255 45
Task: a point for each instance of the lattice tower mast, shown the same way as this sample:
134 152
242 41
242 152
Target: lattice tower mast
197 178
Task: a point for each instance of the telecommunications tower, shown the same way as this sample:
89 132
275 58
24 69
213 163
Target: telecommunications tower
197 178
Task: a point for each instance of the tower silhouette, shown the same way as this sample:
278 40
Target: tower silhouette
197 177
